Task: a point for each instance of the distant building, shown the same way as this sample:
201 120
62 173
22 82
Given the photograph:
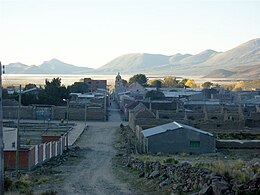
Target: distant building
137 90
176 138
95 84
119 87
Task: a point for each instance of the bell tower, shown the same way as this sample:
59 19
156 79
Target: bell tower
118 81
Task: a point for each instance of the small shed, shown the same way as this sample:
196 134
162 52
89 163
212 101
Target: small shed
10 138
176 138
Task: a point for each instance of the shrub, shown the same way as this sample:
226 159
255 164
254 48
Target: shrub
27 191
49 192
171 160
41 180
8 183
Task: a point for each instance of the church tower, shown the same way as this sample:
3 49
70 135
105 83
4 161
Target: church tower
118 81
119 88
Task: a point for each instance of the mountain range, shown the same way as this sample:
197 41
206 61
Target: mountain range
240 62
53 66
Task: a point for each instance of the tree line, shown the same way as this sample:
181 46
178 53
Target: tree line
52 93
167 82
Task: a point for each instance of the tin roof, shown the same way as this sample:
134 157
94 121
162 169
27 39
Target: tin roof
170 127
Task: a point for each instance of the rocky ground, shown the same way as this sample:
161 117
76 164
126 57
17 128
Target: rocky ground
204 174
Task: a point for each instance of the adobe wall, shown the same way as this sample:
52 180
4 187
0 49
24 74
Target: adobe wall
11 112
145 123
232 144
79 113
59 112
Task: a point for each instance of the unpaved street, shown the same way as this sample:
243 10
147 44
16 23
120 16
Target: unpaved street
93 173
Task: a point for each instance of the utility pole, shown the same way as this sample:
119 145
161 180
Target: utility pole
1 138
67 121
85 113
105 105
17 132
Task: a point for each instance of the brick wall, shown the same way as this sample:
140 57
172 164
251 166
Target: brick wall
36 155
10 159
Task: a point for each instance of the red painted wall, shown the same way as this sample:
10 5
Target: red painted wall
50 138
10 159
41 153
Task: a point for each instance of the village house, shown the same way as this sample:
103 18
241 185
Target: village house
176 138
95 84
137 91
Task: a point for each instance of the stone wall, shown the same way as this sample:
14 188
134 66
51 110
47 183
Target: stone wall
238 144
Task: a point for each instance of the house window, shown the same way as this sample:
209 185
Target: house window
194 144
13 144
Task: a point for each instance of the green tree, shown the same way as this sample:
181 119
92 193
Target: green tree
5 93
206 85
78 87
170 82
54 92
155 95
124 82
182 83
140 78
190 83
155 83
29 86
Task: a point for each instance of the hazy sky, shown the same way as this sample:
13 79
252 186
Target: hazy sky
92 32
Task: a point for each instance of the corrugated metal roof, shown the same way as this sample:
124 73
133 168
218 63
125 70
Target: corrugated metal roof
170 127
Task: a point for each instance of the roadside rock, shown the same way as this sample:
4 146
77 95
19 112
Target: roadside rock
154 174
206 191
220 187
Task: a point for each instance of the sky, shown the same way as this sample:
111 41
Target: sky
91 33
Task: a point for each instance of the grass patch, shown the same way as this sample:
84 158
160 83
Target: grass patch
171 160
49 192
233 169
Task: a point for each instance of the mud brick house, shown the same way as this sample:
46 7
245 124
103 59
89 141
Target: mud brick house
138 114
95 84
129 106
137 91
176 138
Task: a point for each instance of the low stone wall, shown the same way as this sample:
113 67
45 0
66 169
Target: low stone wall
185 178
149 123
238 144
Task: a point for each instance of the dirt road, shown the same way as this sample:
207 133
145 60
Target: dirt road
93 173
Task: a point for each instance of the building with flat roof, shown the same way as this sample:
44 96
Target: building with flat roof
95 84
